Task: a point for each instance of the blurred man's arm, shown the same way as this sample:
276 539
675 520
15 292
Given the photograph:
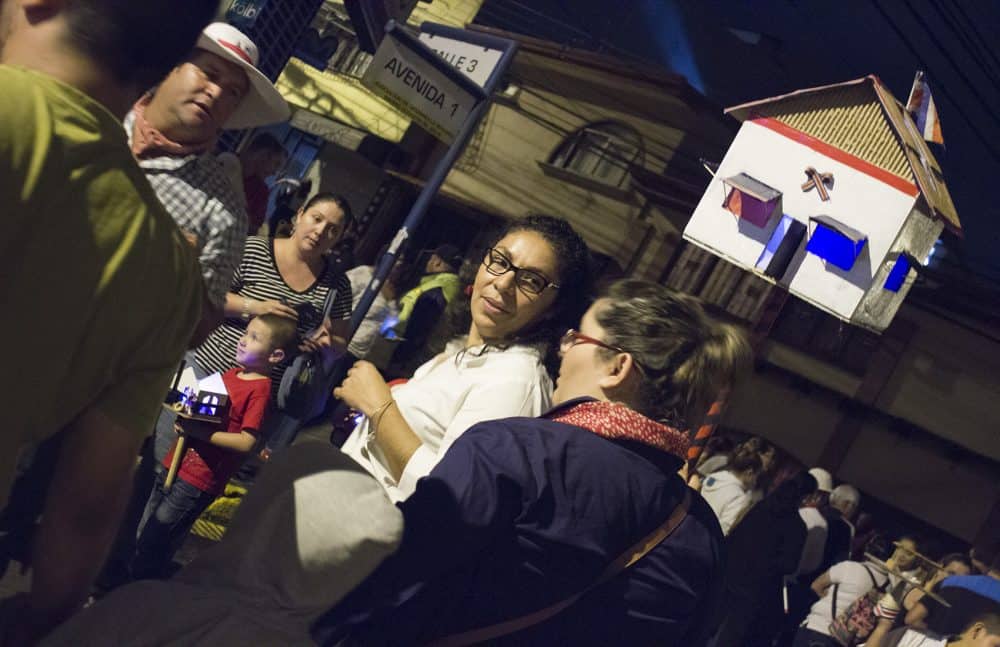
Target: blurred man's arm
87 498
211 318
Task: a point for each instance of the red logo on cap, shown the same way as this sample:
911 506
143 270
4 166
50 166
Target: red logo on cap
236 49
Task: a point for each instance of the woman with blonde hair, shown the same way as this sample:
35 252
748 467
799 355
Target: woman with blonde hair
523 531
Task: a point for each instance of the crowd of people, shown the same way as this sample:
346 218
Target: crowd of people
527 482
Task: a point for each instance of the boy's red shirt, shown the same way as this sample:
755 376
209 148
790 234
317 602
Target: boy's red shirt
208 467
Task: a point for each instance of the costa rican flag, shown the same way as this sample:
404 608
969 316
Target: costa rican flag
921 106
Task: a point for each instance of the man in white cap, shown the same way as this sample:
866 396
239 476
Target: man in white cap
172 131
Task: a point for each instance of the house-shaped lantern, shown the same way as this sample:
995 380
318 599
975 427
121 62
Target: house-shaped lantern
836 194
204 405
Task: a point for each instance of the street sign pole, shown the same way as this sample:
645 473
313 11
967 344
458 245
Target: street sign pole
440 172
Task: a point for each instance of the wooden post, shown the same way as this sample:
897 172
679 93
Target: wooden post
175 463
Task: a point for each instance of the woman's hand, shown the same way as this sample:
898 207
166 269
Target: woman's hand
319 340
272 307
363 389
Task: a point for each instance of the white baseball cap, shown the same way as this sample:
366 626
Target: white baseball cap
263 104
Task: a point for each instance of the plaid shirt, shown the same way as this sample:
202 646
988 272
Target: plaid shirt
199 196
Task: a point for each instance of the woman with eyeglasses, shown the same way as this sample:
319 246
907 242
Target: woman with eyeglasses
531 286
573 528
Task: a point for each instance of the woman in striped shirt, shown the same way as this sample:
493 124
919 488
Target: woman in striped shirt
288 277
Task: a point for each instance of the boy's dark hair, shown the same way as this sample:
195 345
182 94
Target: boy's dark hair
138 41
283 331
265 142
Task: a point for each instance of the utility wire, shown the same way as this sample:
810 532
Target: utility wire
974 87
965 38
517 8
971 26
959 109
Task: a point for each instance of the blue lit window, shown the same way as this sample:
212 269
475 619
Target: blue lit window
780 249
898 273
835 242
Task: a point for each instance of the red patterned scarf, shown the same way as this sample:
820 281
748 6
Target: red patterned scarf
147 141
617 422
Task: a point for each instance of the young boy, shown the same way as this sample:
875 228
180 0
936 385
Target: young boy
214 452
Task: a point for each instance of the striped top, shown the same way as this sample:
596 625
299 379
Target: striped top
257 277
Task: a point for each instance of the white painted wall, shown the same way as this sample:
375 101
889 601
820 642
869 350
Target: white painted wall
857 199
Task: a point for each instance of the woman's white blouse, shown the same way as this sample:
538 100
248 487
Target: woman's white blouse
449 394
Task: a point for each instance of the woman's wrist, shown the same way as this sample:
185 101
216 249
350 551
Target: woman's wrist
246 313
376 415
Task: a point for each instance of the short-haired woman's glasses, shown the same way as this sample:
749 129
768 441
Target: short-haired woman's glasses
528 281
573 337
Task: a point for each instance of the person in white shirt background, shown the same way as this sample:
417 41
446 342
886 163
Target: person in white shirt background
532 286
730 491
838 588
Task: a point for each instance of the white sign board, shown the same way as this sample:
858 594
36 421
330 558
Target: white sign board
416 88
474 61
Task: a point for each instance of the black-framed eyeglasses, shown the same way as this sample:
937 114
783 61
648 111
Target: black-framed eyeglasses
528 281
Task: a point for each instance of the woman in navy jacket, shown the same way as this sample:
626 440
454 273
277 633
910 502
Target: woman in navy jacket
524 513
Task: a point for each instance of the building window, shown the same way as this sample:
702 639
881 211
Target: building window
604 151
